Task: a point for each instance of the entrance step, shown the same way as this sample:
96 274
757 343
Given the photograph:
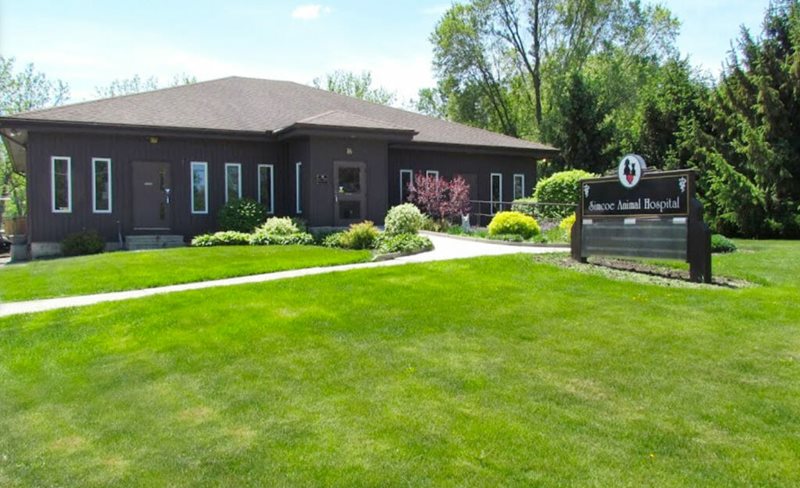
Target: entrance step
135 243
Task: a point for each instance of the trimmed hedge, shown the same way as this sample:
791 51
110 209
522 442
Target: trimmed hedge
404 219
721 244
241 215
223 238
562 187
283 226
83 243
404 243
518 223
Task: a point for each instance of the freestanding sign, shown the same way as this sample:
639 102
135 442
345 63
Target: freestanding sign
640 213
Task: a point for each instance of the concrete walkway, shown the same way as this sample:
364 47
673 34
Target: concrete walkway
444 248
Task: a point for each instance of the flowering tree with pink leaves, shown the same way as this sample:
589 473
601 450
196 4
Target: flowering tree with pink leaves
442 200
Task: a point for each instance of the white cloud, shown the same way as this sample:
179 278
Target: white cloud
309 12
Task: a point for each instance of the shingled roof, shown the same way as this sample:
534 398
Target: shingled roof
265 106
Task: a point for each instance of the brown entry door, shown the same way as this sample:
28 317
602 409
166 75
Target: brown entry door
151 196
350 192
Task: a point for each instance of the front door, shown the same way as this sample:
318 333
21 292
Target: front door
151 196
350 192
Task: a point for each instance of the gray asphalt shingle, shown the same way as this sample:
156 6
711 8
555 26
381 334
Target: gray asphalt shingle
256 105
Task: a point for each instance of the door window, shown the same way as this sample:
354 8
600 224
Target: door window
349 179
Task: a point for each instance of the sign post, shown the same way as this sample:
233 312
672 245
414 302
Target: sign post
637 213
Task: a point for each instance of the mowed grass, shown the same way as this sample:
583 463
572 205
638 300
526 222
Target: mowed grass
146 269
486 372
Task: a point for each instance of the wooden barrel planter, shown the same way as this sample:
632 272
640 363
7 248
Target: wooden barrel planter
15 226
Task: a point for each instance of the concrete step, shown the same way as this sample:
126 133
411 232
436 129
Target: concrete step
134 243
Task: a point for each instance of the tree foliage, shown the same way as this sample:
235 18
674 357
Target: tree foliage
441 199
602 78
137 84
22 91
355 85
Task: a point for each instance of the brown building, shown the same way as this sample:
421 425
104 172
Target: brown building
164 162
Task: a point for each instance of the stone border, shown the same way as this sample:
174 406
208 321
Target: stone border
564 246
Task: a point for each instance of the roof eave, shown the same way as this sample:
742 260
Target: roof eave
130 129
300 129
537 153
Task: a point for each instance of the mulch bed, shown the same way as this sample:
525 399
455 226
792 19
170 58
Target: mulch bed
645 269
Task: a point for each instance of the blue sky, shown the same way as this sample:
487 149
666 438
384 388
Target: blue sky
90 43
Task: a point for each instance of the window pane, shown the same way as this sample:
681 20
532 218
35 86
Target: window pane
232 182
349 180
61 196
405 182
199 188
519 190
497 193
102 186
265 187
298 188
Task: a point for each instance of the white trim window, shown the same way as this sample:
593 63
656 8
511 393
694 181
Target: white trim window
432 172
266 187
199 191
101 185
298 187
61 184
496 192
406 180
233 181
519 186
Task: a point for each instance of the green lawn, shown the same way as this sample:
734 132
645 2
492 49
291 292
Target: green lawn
485 372
145 269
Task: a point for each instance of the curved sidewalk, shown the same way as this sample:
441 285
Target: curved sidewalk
444 248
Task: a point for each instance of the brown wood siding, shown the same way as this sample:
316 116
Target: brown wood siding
46 226
324 151
451 163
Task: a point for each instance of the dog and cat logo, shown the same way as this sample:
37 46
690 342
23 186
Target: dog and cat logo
630 170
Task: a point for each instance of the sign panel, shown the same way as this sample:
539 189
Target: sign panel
654 195
640 213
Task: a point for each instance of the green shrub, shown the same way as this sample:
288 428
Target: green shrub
524 205
334 240
567 223
283 226
404 243
721 244
241 215
513 223
360 236
261 238
403 219
83 243
562 187
224 238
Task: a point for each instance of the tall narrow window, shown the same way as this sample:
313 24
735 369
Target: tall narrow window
266 187
496 192
233 181
298 187
61 184
432 172
199 187
406 176
519 186
101 185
